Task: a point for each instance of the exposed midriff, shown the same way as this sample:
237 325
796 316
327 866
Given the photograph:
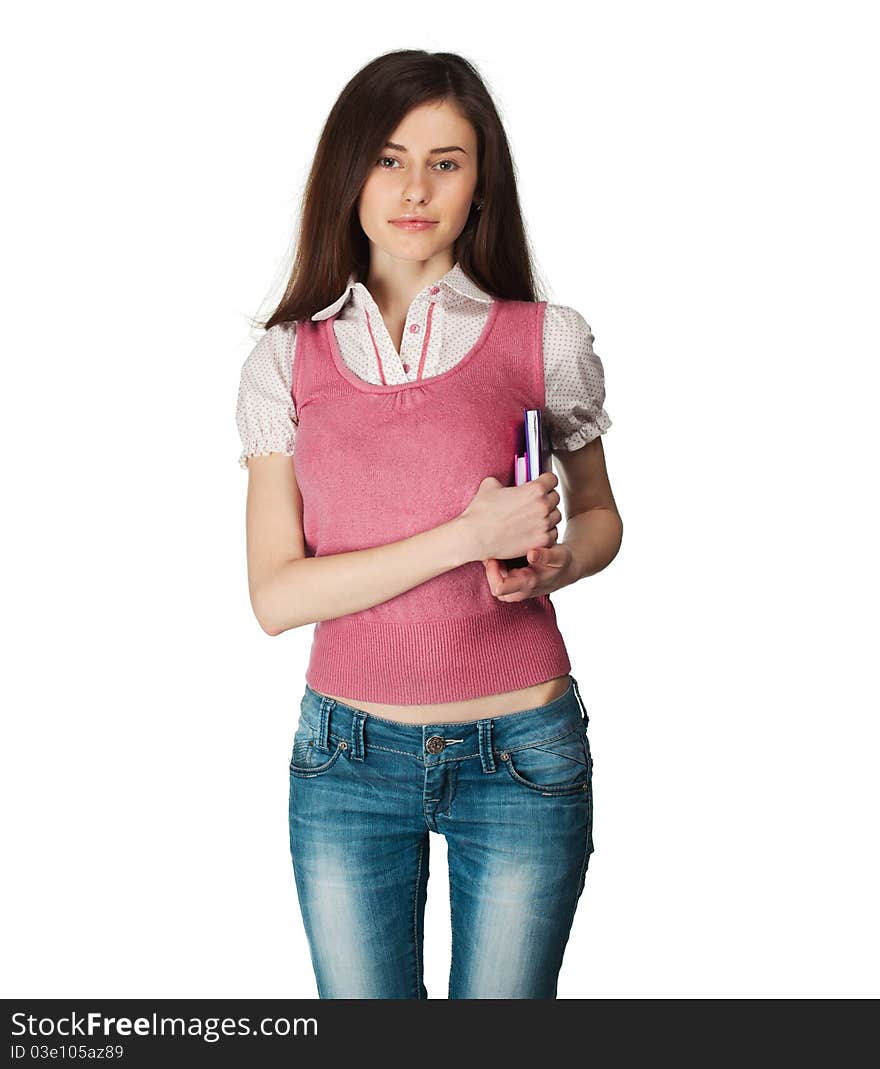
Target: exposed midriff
512 701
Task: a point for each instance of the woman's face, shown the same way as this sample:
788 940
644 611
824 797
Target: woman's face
413 178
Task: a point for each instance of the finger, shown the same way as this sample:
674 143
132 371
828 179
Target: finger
524 590
516 581
547 557
496 572
510 582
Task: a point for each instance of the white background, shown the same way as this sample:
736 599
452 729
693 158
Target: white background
700 182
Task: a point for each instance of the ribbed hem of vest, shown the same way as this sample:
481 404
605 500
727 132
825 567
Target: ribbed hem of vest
437 661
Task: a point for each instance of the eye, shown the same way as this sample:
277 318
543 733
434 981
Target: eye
380 163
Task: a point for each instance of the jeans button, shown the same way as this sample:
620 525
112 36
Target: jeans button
435 744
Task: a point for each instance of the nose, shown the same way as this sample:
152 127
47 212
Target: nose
414 195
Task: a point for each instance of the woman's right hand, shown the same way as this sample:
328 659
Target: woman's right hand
507 521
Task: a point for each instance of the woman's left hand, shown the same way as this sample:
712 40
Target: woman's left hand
549 568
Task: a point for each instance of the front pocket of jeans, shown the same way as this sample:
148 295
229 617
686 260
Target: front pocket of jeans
306 759
561 766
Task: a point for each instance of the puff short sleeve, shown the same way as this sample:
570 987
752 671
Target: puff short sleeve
574 379
265 413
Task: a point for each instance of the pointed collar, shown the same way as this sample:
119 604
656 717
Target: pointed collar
455 279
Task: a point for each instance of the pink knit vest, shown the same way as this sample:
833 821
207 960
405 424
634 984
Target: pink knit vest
376 464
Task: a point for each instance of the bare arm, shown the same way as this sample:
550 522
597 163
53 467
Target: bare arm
593 529
288 589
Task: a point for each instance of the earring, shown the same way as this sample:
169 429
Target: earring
478 207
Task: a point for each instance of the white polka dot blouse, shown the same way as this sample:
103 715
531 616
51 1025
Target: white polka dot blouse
443 323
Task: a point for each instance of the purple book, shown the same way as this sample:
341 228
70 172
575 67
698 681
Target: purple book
536 458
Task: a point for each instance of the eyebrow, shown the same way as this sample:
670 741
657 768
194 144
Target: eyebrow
431 152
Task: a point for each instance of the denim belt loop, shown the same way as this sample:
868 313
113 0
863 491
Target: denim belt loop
484 731
357 735
323 739
586 718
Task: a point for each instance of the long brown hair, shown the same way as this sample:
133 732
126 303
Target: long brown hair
492 249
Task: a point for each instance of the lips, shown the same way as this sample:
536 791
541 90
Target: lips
413 224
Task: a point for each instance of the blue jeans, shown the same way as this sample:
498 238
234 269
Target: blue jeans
513 796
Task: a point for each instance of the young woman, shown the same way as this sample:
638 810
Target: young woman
438 695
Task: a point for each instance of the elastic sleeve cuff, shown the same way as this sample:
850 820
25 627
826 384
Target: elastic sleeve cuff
584 434
263 445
